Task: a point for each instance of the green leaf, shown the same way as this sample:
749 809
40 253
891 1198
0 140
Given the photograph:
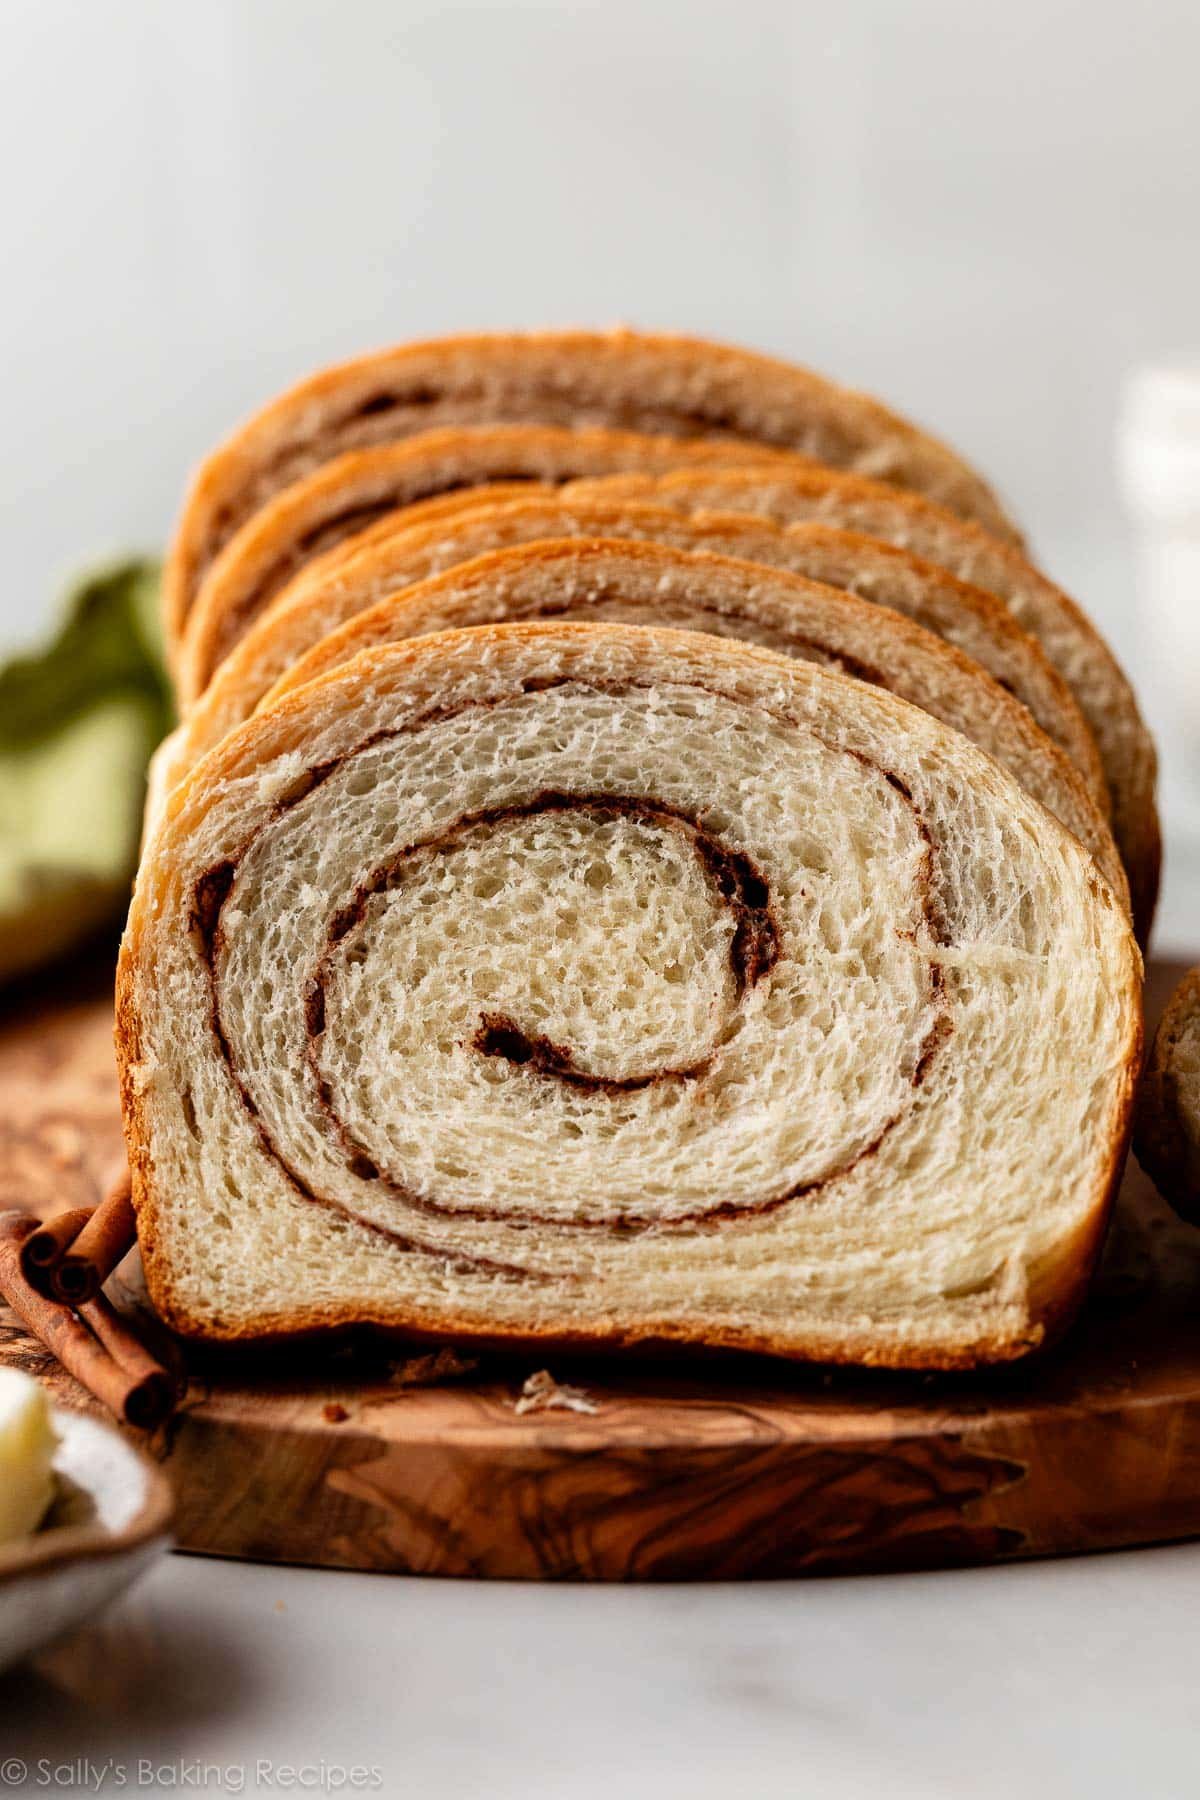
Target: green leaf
79 720
109 642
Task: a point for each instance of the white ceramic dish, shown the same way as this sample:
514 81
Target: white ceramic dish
110 1520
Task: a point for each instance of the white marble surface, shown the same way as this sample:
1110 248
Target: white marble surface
1076 1678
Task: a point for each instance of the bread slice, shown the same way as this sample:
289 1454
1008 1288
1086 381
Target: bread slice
651 584
565 984
1068 637
347 495
1167 1129
632 381
454 528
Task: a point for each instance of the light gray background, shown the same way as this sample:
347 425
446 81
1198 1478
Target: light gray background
988 214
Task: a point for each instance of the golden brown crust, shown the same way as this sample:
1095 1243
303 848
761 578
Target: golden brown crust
860 1351
1167 1135
1058 1283
349 494
419 540
955 609
681 386
1068 1281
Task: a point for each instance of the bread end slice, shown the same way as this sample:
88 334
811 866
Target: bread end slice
1167 1136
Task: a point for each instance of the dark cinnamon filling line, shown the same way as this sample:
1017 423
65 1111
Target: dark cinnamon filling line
415 408
803 648
326 535
754 950
209 896
659 420
500 1036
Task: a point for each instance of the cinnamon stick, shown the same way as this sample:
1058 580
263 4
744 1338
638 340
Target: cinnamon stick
141 1396
153 1397
46 1244
86 1264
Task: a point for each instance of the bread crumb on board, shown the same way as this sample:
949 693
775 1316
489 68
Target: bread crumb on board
541 1393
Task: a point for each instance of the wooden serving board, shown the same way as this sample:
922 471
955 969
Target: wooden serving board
722 1469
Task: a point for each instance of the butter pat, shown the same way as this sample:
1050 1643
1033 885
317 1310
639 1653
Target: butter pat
27 1446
